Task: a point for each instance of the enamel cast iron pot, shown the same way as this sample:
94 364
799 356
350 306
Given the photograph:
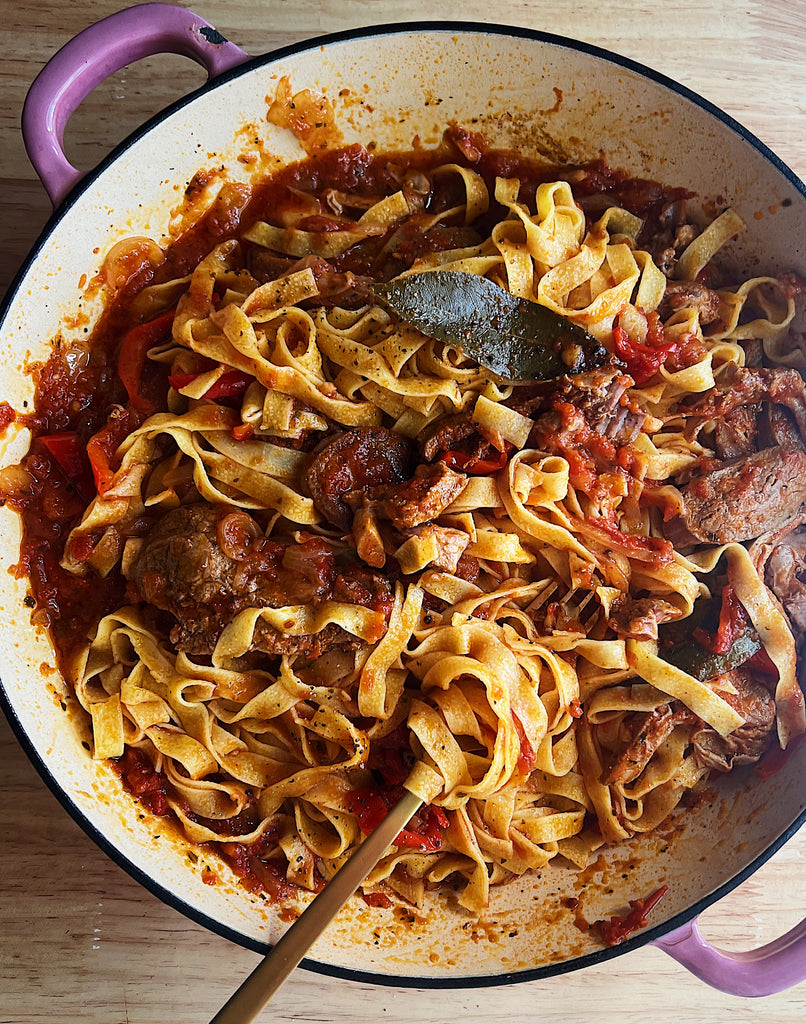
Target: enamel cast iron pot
542 94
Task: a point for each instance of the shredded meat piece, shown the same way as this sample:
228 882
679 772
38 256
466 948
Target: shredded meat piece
688 294
448 433
182 569
425 496
639 619
743 499
357 584
600 396
357 460
531 399
748 743
675 235
736 434
597 396
650 730
666 260
450 544
468 568
786 575
777 427
744 386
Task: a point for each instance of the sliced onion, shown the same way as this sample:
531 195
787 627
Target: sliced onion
127 257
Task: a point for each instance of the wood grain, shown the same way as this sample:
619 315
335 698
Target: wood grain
80 940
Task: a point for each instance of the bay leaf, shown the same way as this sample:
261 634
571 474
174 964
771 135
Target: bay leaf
515 339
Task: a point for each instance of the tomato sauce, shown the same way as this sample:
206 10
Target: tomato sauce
90 395
252 862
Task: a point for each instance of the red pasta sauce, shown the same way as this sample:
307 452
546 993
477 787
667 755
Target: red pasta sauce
90 396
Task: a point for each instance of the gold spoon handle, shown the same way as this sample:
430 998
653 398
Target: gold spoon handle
245 1004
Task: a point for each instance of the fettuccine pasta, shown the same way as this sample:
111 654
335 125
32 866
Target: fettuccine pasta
312 553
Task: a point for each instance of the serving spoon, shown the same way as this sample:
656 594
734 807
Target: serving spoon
269 975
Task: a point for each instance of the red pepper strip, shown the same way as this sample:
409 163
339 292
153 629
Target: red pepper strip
229 385
370 808
99 455
102 446
470 464
424 843
439 816
646 549
732 622
132 356
71 455
618 928
427 837
67 450
527 758
388 756
643 361
243 432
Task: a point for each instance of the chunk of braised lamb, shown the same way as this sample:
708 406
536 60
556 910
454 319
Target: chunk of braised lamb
639 618
675 235
204 564
737 433
786 576
667 248
750 741
198 637
446 434
468 568
531 399
777 426
600 396
741 500
649 730
359 585
414 239
687 295
431 490
741 386
356 461
345 288
600 187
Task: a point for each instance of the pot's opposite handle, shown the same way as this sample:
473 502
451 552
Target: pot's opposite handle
92 56
757 972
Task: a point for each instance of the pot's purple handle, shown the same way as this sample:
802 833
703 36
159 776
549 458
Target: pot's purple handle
94 55
758 972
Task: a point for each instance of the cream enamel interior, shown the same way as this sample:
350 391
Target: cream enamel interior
541 97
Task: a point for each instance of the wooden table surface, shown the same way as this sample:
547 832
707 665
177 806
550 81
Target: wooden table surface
79 939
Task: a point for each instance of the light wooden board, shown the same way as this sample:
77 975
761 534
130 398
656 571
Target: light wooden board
81 941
